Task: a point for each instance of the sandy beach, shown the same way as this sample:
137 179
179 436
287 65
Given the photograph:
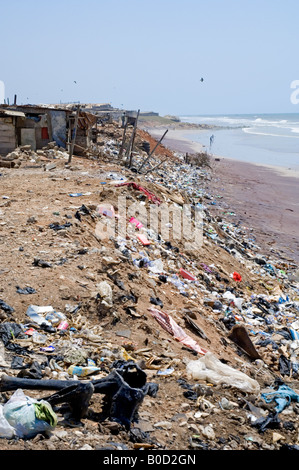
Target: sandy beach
263 198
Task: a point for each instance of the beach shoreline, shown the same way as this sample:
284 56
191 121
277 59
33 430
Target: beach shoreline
264 198
176 140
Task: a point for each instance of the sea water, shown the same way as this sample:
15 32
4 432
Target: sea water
267 139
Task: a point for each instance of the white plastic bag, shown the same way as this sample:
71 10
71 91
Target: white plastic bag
105 292
19 411
156 266
6 430
210 369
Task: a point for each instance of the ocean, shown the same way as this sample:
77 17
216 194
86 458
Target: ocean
267 139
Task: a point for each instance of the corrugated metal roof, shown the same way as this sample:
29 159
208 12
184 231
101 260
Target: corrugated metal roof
9 112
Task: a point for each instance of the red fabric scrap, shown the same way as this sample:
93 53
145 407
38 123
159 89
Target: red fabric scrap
150 195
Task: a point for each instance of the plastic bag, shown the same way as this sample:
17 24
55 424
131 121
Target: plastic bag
105 292
20 412
237 277
212 370
156 266
6 430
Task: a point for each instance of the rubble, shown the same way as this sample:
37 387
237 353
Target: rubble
191 348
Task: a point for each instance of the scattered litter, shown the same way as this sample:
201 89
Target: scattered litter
25 290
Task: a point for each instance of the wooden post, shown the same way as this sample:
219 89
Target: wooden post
69 139
123 141
131 143
149 156
74 135
157 166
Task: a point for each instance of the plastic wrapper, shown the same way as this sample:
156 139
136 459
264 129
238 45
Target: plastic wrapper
210 369
6 430
105 292
20 413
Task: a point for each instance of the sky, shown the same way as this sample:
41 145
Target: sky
152 54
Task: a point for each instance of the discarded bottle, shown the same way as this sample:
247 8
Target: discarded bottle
82 371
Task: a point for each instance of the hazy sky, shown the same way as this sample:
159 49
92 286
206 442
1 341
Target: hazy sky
151 54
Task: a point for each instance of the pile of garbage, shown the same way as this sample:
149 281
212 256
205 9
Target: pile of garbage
162 344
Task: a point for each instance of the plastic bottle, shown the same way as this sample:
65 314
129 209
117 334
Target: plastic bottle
82 371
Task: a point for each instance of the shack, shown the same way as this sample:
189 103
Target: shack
38 125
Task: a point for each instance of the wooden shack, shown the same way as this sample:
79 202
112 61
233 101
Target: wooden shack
38 125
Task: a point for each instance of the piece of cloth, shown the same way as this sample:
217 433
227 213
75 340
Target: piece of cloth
283 397
44 412
149 195
168 323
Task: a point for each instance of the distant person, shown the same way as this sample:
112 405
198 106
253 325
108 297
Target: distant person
211 141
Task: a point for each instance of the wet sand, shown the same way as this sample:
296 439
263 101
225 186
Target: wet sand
264 199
